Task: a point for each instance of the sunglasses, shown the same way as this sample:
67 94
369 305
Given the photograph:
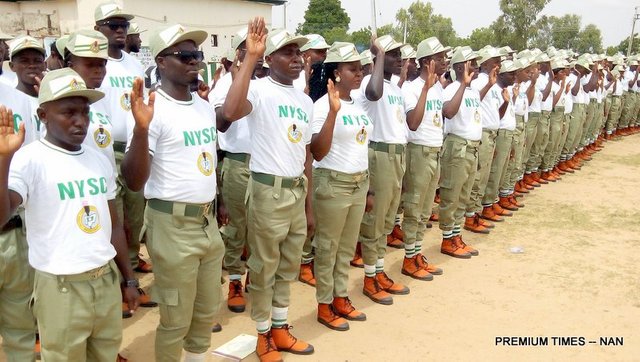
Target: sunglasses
186 56
115 25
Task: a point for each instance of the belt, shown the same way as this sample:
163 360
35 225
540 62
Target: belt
471 144
119 146
270 180
13 223
425 148
190 210
81 277
387 147
343 176
615 96
593 100
241 157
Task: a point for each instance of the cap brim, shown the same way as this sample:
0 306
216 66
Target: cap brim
299 40
91 95
124 16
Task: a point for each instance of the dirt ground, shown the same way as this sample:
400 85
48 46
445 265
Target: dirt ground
577 277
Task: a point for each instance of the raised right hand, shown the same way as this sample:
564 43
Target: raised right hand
10 141
334 97
142 113
256 37
467 75
375 48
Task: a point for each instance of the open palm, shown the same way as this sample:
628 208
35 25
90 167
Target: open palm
142 113
10 141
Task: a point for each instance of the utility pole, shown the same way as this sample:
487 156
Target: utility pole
284 6
636 16
374 26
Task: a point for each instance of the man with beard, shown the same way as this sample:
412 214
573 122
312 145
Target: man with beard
132 43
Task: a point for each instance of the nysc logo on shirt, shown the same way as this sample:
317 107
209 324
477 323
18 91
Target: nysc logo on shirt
294 134
102 137
205 163
361 136
88 219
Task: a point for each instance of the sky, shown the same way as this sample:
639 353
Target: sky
613 17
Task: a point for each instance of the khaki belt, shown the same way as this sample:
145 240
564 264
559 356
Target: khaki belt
343 176
270 180
387 147
119 146
190 210
470 144
92 274
240 157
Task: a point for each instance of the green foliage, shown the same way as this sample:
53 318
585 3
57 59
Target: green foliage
481 37
422 23
517 23
589 40
624 45
361 38
327 18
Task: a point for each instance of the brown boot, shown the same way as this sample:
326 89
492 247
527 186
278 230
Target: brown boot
558 172
472 224
489 214
397 233
412 267
565 167
357 257
521 188
306 274
530 180
434 217
374 291
266 348
505 204
235 299
329 318
286 342
539 179
342 306
394 243
485 223
498 210
512 199
458 240
389 285
548 176
432 269
451 248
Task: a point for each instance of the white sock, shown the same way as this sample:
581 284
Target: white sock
263 327
279 316
195 357
380 266
398 223
409 250
235 277
369 270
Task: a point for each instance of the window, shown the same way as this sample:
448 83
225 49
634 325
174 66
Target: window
214 40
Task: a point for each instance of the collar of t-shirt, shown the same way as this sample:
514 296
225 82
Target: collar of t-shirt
60 149
169 98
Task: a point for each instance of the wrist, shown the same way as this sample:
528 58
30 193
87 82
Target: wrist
131 283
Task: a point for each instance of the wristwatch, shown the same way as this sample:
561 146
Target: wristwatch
131 283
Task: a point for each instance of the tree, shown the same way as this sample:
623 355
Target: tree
565 30
589 40
422 23
517 23
542 37
624 45
480 37
327 18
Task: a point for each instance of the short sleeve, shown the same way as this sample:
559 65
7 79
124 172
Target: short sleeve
450 91
220 91
253 95
410 98
307 135
20 175
320 112
111 184
154 131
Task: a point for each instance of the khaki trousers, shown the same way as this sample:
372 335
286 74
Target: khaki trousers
566 121
421 181
555 134
79 316
338 205
575 129
531 132
130 207
386 169
17 323
277 229
586 127
187 251
235 178
459 164
485 159
629 101
515 170
498 166
614 114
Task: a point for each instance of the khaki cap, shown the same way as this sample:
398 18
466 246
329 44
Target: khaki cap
280 38
487 53
25 42
65 83
110 10
508 66
583 63
430 46
61 44
134 28
633 62
559 63
542 58
506 50
316 41
170 35
238 38
521 63
407 52
463 54
366 57
387 43
342 52
88 44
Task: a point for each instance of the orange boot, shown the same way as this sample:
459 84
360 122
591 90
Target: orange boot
374 291
489 214
286 342
451 248
393 242
389 285
473 224
266 348
342 306
357 257
306 274
458 240
412 267
329 318
397 233
235 299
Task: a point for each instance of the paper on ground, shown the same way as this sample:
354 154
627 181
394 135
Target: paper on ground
238 348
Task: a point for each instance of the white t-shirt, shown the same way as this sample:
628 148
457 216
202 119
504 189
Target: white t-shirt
99 134
580 97
237 138
490 103
280 128
508 121
300 83
8 76
568 99
388 113
39 129
350 144
619 88
20 104
65 195
467 122
628 77
120 75
522 107
430 132
541 84
182 141
536 103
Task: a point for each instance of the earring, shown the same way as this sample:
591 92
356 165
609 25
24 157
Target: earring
338 79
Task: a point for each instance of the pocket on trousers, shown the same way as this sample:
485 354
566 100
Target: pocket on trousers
229 231
167 297
323 190
254 264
